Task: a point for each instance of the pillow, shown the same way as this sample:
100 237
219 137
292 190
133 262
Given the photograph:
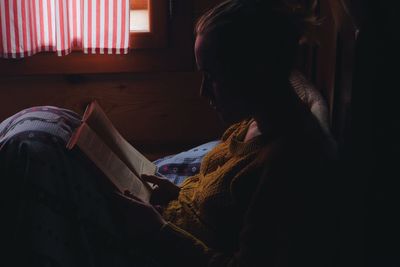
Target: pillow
182 165
312 98
40 121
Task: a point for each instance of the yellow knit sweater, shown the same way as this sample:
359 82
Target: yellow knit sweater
269 201
211 204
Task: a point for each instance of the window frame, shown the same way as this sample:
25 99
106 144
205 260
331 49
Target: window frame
167 47
157 36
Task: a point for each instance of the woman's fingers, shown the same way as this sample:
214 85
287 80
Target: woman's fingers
165 190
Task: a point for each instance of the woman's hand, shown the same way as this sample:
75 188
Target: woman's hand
138 219
164 192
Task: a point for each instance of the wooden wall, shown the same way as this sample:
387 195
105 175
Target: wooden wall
159 112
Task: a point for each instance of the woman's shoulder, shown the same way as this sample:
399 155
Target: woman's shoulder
309 143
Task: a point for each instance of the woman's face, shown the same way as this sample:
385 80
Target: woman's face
224 92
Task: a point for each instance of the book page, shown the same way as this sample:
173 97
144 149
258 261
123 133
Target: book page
106 160
96 118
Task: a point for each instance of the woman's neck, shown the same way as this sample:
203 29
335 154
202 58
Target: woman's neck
281 116
252 131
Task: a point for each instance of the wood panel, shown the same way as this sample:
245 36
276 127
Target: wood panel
159 112
345 55
325 56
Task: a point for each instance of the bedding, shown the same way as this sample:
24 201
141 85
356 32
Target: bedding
53 199
182 165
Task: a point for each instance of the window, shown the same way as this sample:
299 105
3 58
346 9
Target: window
148 23
139 16
163 42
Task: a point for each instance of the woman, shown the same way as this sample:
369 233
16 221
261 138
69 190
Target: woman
251 203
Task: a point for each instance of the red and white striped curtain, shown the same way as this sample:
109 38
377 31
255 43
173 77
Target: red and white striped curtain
93 26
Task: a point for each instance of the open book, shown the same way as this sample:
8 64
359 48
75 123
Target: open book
111 153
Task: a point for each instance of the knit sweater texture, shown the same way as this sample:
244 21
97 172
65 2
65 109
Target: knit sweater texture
211 204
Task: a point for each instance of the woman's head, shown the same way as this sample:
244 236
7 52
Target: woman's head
246 50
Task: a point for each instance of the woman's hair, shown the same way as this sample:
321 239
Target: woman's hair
254 32
300 12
